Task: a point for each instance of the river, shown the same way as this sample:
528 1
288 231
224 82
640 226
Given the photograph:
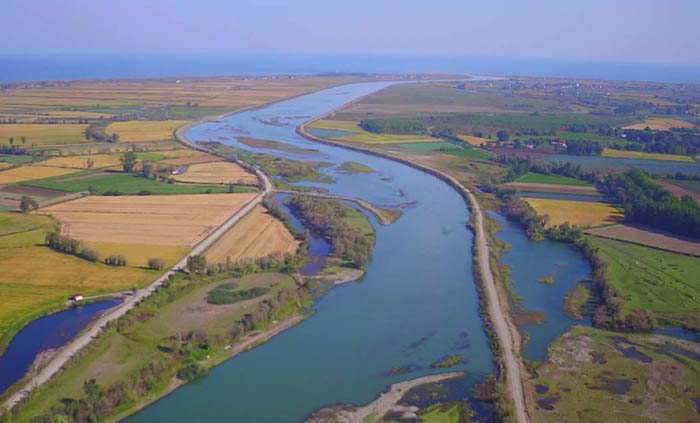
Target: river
416 303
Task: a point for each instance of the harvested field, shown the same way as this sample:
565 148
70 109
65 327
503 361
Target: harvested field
661 124
257 235
679 190
475 141
555 188
141 131
98 160
625 154
185 152
575 212
5 165
30 172
649 237
43 134
31 191
217 173
137 255
188 160
164 220
539 178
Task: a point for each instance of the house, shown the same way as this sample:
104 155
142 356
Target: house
76 297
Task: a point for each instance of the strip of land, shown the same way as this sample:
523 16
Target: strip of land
649 237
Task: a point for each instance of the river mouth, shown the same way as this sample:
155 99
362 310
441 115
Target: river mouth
416 303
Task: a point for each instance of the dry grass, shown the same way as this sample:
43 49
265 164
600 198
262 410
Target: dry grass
182 220
661 124
188 160
575 212
186 152
361 136
625 154
142 131
38 134
217 173
81 162
29 172
475 141
257 235
139 254
649 237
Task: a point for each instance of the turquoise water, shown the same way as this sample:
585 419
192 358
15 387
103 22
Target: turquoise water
532 260
416 304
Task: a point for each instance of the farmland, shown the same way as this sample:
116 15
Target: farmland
649 237
661 124
117 182
217 173
98 160
141 131
257 235
359 135
625 154
36 278
575 212
182 220
30 172
592 375
538 178
659 282
42 134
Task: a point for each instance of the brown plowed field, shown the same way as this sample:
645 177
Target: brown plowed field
649 237
680 191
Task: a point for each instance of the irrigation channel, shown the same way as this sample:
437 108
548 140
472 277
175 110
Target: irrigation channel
416 304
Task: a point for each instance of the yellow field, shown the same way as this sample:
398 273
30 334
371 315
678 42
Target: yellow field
29 172
362 136
80 162
257 235
141 131
475 141
185 152
38 134
661 124
138 254
152 220
575 212
610 152
217 173
35 278
5 165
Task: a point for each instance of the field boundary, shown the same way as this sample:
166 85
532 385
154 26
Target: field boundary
594 232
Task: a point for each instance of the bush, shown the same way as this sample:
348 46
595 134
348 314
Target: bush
89 254
156 263
190 372
112 193
116 260
28 204
227 294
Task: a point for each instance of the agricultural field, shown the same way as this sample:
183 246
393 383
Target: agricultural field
259 234
553 188
180 220
143 131
444 147
42 134
681 188
661 124
98 160
217 173
31 172
359 135
592 375
575 212
539 178
659 282
118 183
649 237
625 154
36 279
475 141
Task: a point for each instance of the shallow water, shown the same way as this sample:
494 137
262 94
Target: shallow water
47 332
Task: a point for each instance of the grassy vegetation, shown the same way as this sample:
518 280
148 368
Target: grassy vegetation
661 124
445 147
576 300
42 134
217 173
123 183
539 178
449 361
97 160
28 173
352 167
362 136
581 213
625 154
36 278
660 282
592 375
140 131
228 293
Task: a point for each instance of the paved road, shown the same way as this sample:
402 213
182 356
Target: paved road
79 342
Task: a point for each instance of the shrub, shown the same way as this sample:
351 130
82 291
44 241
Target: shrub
227 294
89 254
116 260
28 204
156 263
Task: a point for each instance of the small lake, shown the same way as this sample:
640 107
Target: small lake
609 163
45 333
530 261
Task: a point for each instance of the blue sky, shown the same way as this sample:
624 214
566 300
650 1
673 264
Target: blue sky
651 31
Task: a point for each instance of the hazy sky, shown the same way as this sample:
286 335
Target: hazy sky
619 30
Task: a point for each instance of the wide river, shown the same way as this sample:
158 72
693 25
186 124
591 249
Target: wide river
416 304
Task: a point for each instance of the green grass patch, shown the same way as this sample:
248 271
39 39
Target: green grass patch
449 361
228 293
575 301
353 168
16 160
539 178
661 282
447 148
123 183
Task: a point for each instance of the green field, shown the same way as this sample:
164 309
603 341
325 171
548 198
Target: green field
539 178
663 283
592 375
16 159
125 183
448 148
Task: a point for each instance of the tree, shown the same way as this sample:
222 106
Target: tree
156 263
502 136
148 171
91 389
89 163
197 263
24 140
128 161
28 204
114 138
12 141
